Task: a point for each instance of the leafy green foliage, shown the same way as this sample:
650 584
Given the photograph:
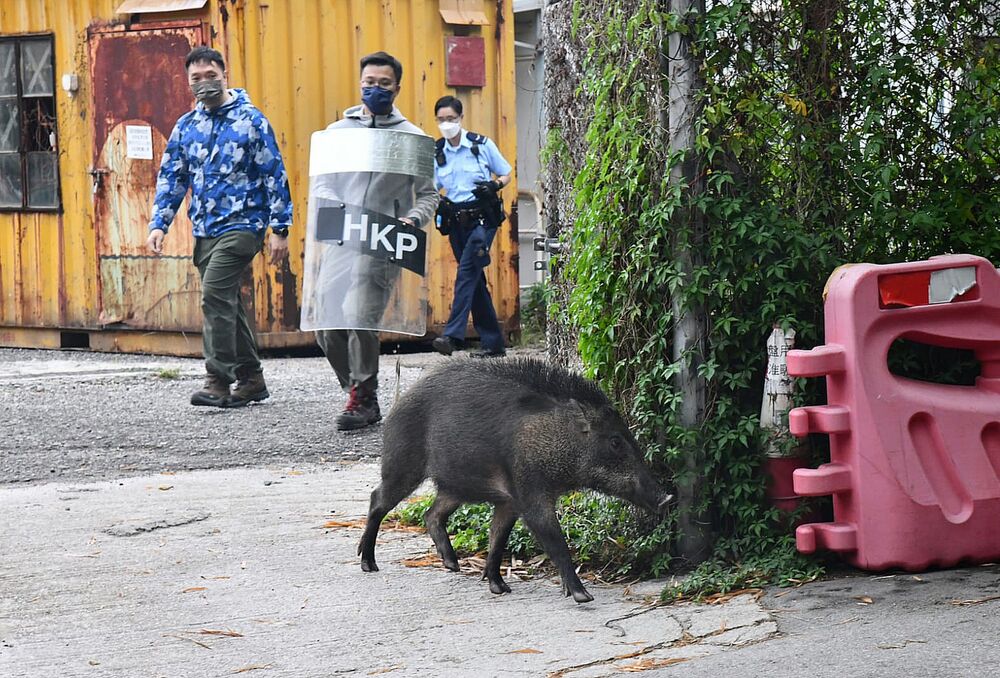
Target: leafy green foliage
827 132
602 531
534 310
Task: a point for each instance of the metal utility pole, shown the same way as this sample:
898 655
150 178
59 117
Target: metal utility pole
680 67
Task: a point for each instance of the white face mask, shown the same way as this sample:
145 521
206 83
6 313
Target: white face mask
449 129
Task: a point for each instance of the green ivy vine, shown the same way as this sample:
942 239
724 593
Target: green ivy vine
827 132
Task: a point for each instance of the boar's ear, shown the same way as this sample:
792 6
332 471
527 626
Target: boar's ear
536 402
578 413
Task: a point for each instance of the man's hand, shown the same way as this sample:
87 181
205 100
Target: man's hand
278 248
154 243
407 220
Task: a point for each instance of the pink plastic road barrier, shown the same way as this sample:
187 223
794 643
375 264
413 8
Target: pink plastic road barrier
914 466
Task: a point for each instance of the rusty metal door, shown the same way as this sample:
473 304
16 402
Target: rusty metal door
139 91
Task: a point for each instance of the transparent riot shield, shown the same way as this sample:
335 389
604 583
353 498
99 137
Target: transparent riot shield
364 268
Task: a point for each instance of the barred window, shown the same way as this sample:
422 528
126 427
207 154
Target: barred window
29 159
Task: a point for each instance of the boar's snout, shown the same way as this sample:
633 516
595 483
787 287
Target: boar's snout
652 497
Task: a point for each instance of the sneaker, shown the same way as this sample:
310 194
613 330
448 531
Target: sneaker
488 353
250 388
445 345
361 410
213 394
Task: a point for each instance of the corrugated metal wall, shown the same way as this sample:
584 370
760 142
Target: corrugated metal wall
298 59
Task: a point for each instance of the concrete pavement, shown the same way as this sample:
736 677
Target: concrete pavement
216 573
118 559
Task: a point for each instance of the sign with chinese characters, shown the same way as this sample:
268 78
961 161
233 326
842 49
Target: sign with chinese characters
778 385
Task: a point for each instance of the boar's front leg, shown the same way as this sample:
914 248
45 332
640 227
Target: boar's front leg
436 520
540 517
502 523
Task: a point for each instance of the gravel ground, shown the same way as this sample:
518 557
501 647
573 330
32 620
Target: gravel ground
68 415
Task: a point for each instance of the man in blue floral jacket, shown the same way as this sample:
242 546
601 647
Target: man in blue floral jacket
225 152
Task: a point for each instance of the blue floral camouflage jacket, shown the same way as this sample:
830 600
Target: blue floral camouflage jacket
231 162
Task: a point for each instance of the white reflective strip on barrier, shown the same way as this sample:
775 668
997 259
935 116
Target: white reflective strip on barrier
949 283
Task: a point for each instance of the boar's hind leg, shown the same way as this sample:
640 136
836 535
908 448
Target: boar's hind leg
502 523
542 521
384 498
436 520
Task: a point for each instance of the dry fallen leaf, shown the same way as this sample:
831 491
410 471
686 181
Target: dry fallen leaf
974 601
526 650
192 589
196 642
164 488
387 669
429 560
253 667
649 664
358 523
218 632
800 582
720 598
864 600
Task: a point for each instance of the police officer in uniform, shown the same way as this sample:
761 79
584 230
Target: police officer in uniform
470 171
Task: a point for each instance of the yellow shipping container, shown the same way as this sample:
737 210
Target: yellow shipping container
99 85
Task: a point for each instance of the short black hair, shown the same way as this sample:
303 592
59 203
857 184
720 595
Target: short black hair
384 59
448 101
204 53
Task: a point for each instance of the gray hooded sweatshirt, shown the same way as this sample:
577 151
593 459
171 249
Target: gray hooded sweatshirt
395 194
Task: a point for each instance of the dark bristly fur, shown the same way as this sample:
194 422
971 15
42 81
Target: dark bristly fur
546 378
517 433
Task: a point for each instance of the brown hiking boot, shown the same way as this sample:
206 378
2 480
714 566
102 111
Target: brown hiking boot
250 388
361 410
212 394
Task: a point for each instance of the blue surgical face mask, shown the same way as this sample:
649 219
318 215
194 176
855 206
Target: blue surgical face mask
377 99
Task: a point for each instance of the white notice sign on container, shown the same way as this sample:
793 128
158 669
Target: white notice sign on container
139 142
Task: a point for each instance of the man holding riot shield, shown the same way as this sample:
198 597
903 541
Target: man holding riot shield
371 195
465 166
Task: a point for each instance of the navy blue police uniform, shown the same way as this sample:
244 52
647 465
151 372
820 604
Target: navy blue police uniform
457 171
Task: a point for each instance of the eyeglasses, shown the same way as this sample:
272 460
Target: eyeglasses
449 118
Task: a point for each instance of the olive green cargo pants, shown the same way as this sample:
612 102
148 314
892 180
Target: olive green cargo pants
230 345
